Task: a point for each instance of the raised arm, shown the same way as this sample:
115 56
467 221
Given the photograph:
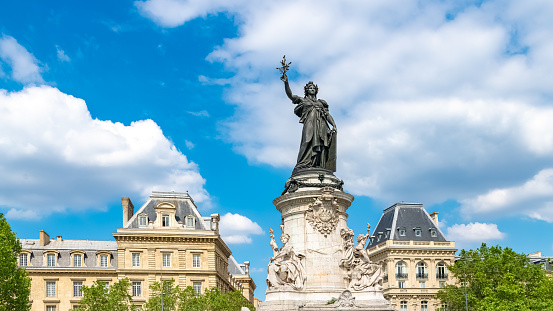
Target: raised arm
287 89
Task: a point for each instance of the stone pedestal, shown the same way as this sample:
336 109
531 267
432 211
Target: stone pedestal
314 212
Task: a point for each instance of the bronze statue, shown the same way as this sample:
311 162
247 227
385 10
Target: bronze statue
318 140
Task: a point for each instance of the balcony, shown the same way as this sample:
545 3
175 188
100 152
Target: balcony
441 276
401 275
422 276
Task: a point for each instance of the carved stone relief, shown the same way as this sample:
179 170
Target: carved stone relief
322 212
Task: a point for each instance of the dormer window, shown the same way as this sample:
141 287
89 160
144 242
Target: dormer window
143 220
418 231
77 258
433 232
401 231
165 220
190 221
387 233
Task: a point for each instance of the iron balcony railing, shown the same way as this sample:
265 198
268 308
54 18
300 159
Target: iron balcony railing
441 276
401 275
422 275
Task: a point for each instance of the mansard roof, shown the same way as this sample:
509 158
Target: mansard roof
184 207
409 217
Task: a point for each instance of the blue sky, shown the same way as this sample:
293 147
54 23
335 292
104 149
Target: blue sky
447 103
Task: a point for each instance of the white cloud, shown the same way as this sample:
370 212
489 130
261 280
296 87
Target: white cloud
474 232
533 198
61 55
433 99
24 66
201 113
189 144
237 229
56 157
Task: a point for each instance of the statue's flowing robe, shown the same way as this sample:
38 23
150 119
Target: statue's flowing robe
318 142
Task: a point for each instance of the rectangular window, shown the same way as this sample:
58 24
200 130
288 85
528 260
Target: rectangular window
195 260
401 284
51 260
402 232
418 232
424 306
403 306
422 284
50 308
77 260
143 221
197 287
136 289
167 260
136 260
78 289
104 261
23 260
189 222
50 289
165 220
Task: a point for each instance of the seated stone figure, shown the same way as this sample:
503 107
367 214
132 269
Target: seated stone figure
286 268
361 273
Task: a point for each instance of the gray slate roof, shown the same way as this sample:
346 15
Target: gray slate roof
65 247
184 203
408 216
233 267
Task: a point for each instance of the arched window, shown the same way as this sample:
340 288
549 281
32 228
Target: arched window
422 270
401 270
441 271
403 306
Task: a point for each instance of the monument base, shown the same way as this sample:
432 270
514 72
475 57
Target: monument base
330 300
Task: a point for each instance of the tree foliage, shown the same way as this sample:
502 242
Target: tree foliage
177 299
15 285
101 297
497 279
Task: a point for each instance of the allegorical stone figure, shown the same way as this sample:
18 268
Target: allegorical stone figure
286 267
318 140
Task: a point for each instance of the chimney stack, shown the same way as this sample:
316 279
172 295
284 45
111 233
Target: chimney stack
435 218
44 238
128 209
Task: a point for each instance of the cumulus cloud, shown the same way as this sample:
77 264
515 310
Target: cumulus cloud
24 66
62 57
237 229
433 99
56 157
473 234
534 198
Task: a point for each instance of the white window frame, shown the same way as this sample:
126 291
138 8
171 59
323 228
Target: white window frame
77 262
418 232
23 259
196 261
77 289
433 233
401 232
135 258
50 308
190 221
51 263
400 284
137 289
142 220
165 220
106 261
403 305
424 305
166 260
50 289
197 286
422 284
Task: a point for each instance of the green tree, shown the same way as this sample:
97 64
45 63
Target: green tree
101 297
170 296
497 279
15 285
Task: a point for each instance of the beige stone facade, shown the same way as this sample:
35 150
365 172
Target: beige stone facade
166 236
414 255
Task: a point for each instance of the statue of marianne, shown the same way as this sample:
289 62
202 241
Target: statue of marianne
318 140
